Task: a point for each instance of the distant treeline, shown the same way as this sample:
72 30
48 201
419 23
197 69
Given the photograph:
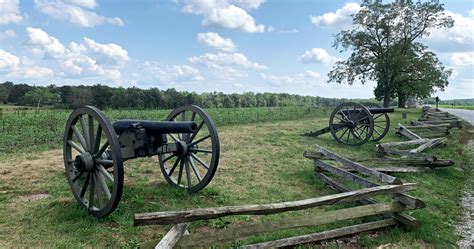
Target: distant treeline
455 102
153 98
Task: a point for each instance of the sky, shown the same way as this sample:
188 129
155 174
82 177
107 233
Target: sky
203 46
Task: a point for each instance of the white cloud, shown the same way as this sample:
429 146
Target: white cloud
226 14
459 38
171 74
10 12
307 79
220 60
43 43
14 67
462 59
110 50
339 19
317 55
75 11
7 34
86 59
215 41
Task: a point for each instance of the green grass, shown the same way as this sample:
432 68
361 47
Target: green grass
26 131
260 162
467 107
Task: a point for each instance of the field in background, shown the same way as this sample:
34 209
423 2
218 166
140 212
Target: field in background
28 131
261 162
467 107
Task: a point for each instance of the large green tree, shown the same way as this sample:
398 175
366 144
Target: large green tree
385 48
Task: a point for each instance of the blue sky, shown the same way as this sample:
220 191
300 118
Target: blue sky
202 46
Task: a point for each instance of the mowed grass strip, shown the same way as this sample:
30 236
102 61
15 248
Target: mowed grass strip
260 163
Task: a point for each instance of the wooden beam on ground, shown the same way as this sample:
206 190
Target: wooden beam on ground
403 143
174 217
431 143
407 133
231 234
402 218
388 170
406 153
336 233
359 167
400 162
173 236
405 199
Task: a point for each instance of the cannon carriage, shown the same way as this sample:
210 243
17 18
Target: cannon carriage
186 145
356 124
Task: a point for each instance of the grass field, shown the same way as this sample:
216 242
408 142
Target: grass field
261 161
467 107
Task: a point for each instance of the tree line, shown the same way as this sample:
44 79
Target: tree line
104 97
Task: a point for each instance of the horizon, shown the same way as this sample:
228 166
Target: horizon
133 44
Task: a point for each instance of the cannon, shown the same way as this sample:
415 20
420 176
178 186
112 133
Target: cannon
356 124
186 145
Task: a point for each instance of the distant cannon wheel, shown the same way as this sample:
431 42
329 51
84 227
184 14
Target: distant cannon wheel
93 161
381 122
351 123
195 163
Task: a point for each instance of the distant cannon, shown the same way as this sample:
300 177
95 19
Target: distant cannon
355 124
186 144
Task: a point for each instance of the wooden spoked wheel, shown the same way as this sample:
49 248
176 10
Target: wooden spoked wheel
381 122
93 161
195 163
351 123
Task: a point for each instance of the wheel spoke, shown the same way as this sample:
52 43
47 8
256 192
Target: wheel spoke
180 173
193 116
85 131
97 138
102 149
84 187
200 161
196 132
200 150
91 134
200 140
343 133
104 172
193 166
91 193
77 176
188 173
98 190
174 138
76 146
168 158
174 166
104 186
79 136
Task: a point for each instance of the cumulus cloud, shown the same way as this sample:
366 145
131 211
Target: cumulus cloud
220 60
226 14
10 12
215 41
306 78
339 19
459 38
15 67
86 59
75 11
317 55
7 34
462 59
171 74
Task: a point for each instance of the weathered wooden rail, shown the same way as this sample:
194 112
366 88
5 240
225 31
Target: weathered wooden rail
389 212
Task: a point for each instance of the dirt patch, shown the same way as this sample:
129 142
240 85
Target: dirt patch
35 197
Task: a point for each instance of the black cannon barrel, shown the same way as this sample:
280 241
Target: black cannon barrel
381 110
156 127
372 110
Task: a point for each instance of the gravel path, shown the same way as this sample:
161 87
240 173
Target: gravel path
466 227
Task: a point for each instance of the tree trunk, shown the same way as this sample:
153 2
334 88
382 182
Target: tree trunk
386 100
401 101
